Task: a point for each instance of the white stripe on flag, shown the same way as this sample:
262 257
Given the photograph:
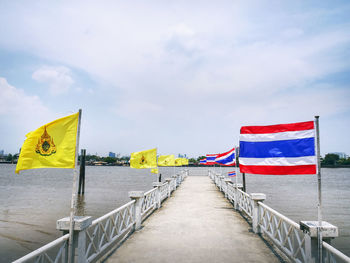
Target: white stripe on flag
282 161
279 136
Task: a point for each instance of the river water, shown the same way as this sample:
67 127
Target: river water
30 203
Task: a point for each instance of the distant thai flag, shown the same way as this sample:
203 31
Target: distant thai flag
211 159
278 149
232 174
227 158
203 161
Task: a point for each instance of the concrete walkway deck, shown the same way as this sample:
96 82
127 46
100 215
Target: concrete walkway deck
197 224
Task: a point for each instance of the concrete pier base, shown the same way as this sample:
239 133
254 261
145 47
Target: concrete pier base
196 225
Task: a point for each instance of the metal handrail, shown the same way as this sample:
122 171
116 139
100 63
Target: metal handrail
150 191
149 202
97 220
107 230
244 202
289 221
332 254
284 232
163 191
40 254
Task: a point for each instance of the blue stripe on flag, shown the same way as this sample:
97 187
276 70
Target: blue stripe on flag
227 160
287 148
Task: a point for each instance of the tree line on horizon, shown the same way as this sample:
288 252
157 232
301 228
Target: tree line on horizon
330 159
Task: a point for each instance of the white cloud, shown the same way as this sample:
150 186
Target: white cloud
58 79
19 114
15 102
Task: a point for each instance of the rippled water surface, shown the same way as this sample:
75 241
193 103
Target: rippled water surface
30 203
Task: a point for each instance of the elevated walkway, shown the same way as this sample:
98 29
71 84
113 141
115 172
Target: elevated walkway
196 225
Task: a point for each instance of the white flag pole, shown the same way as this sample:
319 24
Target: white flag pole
319 207
74 195
236 169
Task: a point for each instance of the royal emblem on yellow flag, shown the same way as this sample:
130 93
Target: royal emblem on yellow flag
144 159
166 160
50 146
45 146
178 161
155 171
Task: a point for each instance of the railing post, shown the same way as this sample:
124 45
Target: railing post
310 228
138 197
168 180
256 197
159 197
221 178
81 223
227 181
175 179
237 187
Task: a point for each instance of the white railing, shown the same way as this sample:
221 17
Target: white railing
282 231
94 241
55 251
164 191
332 255
231 191
149 202
245 203
107 229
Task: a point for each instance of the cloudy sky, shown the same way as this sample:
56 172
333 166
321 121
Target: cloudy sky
182 76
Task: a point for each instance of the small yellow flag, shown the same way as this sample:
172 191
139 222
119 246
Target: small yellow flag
166 160
155 170
50 146
184 161
144 159
178 162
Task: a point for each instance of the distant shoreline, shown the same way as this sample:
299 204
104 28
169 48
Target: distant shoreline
335 166
322 166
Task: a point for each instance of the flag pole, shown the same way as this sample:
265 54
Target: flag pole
319 207
236 170
74 194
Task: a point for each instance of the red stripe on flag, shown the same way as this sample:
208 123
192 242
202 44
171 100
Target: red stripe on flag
278 170
226 153
299 126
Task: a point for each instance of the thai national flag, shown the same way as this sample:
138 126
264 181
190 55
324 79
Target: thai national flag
232 174
278 149
203 161
227 158
211 159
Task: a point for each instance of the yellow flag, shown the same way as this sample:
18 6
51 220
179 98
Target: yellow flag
144 159
154 170
166 160
50 146
184 161
178 161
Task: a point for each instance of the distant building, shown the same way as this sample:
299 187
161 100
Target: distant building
111 154
1 152
341 155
